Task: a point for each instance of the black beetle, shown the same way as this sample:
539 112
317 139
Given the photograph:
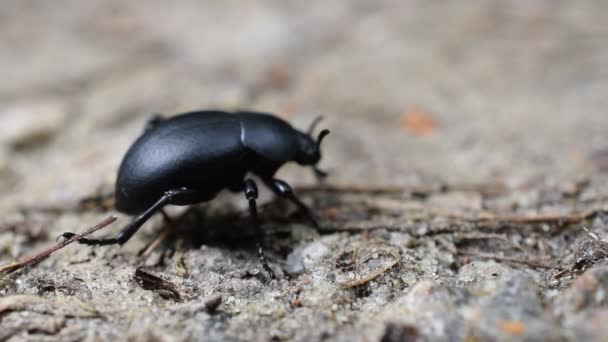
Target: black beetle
191 157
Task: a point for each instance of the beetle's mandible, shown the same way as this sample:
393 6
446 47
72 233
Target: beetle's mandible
191 157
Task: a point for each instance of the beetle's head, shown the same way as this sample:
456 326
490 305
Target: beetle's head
309 149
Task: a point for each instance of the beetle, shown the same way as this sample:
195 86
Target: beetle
191 157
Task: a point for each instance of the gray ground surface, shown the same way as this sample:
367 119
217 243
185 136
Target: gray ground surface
468 152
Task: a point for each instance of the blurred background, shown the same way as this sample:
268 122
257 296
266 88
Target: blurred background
460 91
417 93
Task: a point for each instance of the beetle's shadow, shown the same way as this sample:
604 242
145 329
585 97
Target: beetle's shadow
233 229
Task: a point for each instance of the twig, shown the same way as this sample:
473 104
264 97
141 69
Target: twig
480 236
167 230
550 218
361 225
529 262
163 287
7 269
561 273
18 302
366 189
180 266
485 219
371 276
452 248
590 258
89 308
489 189
602 243
162 237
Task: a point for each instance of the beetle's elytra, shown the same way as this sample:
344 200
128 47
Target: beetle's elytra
191 157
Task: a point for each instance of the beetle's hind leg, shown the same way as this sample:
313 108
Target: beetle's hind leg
282 189
251 193
134 226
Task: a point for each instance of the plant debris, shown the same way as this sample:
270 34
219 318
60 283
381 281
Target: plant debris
18 302
27 261
157 284
212 303
373 274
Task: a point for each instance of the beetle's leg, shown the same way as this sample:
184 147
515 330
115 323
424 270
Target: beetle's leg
134 226
281 188
153 121
251 193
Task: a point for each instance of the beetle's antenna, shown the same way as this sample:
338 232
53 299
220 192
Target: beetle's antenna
320 174
314 124
322 135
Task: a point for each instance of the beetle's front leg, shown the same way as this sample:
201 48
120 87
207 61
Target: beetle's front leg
251 193
282 189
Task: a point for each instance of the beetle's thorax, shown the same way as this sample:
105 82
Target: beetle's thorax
273 142
271 139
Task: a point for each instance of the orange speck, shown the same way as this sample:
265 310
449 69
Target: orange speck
287 111
418 121
512 327
277 76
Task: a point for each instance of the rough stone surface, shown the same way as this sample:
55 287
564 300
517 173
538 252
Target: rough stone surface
468 158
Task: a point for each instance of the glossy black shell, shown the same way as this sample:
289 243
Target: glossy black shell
206 152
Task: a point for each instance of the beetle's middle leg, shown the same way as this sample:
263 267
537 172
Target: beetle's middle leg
281 188
134 226
251 193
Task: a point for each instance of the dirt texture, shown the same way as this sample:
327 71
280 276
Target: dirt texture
468 190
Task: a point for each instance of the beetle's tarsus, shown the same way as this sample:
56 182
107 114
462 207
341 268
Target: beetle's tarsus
98 242
65 236
263 261
91 242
